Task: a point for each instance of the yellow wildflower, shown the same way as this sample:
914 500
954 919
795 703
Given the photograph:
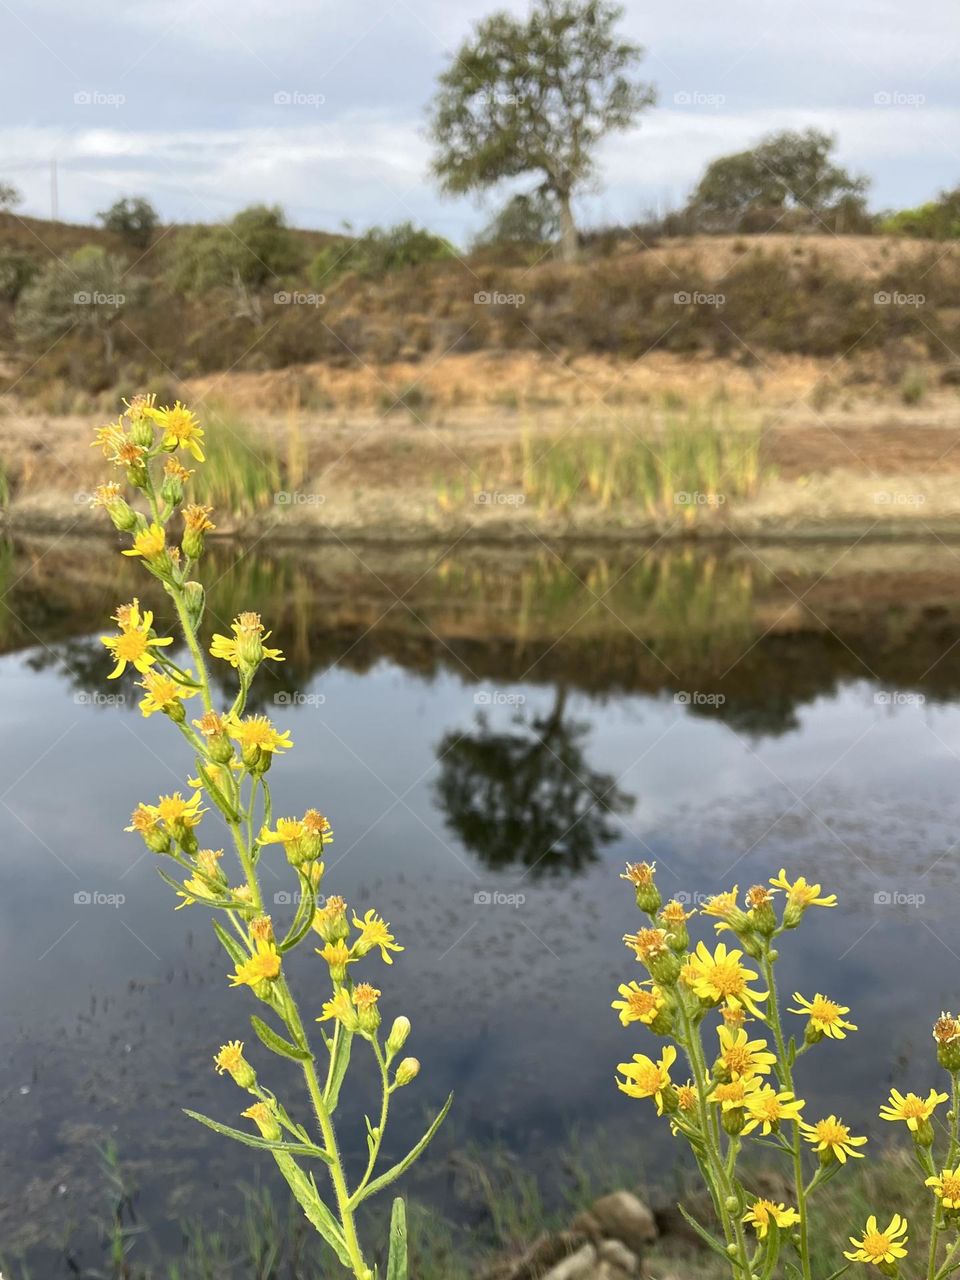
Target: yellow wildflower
264 1117
762 1212
180 428
134 644
341 1007
257 731
246 645
374 932
767 1107
826 1017
639 1004
733 1094
881 1248
109 438
231 1059
722 978
687 1096
337 955
174 811
831 1139
911 1108
163 694
741 1056
646 1078
946 1187
800 895
151 543
263 965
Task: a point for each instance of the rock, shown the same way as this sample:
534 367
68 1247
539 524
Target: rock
547 1251
581 1265
621 1263
620 1216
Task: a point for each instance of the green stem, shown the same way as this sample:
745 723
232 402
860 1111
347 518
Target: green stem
384 1109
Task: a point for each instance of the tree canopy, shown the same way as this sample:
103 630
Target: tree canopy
133 218
536 96
786 173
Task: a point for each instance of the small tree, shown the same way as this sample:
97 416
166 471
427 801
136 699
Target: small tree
537 96
10 197
525 220
133 218
377 252
87 291
787 172
256 248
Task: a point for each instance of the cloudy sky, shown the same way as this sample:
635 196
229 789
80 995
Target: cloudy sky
206 105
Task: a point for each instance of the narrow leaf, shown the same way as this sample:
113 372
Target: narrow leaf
178 888
392 1174
304 917
276 1043
397 1259
263 1144
232 946
342 1043
316 1211
711 1241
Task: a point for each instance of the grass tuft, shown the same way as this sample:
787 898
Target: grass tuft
242 473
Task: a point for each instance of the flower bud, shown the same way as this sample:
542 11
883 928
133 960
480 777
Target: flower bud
640 875
731 1204
733 1120
946 1032
265 1120
398 1036
365 998
194 600
408 1070
231 1059
923 1134
116 506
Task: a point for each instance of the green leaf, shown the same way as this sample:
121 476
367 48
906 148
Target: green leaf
233 947
342 1043
397 1259
392 1174
836 1274
772 1250
304 917
276 1043
316 1211
263 1144
711 1241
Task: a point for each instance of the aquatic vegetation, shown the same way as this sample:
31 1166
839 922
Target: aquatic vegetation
241 472
743 1085
232 754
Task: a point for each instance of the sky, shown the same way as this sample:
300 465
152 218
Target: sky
204 106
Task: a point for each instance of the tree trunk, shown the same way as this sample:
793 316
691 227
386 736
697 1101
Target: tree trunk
569 240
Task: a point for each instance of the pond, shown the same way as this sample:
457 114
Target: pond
493 734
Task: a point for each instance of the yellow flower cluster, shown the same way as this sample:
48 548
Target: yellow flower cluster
233 752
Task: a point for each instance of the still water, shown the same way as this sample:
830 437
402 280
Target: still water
492 736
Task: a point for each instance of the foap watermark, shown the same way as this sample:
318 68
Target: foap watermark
498 698
498 498
696 298
298 498
96 299
297 298
293 898
692 897
698 98
894 298
98 98
898 898
497 898
899 98
898 698
897 498
694 498
96 698
494 298
491 98
698 698
298 98
96 898
297 699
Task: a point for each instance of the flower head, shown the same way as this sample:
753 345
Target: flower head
880 1247
639 1003
800 896
911 1108
831 1138
768 1106
246 646
826 1017
762 1212
732 1095
180 428
163 694
263 966
946 1187
374 932
231 1059
646 1078
721 978
135 643
150 543
741 1056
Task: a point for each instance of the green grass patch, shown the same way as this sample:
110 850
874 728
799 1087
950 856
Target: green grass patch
242 473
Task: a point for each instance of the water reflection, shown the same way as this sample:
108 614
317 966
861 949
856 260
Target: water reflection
526 794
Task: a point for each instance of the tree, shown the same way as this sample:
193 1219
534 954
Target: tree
377 252
133 218
787 172
10 197
89 291
937 220
536 96
255 248
532 219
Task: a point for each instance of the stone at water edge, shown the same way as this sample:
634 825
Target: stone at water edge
619 1216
